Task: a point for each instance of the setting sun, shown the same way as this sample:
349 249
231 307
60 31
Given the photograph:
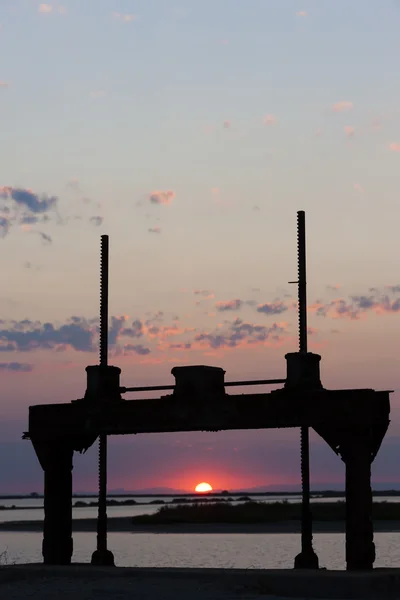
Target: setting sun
203 487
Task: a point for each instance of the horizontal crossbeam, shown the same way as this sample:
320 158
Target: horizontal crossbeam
80 422
158 388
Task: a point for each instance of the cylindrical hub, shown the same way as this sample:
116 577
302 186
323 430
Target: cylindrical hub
199 381
103 383
302 371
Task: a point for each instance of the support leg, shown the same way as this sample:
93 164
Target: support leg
360 547
56 460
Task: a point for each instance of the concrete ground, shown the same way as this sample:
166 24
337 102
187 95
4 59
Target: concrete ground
84 582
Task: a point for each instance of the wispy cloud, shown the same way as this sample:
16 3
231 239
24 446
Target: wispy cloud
16 367
342 106
26 335
350 131
356 306
269 120
4 84
239 333
28 199
126 18
162 197
45 8
301 13
272 308
395 147
333 287
97 93
51 8
208 294
228 305
227 124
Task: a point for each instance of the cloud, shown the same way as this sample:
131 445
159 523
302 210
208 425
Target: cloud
26 336
74 185
16 367
358 187
96 221
47 239
227 124
395 147
301 13
154 230
342 106
357 306
240 333
159 197
4 226
126 18
350 131
136 349
269 120
333 287
272 308
229 305
97 93
4 84
29 200
208 294
186 346
45 8
393 288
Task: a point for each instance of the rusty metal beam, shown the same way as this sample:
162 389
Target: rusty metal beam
83 421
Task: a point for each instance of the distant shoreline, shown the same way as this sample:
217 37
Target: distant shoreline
125 525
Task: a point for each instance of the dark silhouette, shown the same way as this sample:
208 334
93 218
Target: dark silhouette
352 422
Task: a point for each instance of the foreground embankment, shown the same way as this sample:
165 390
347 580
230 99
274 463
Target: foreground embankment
124 524
84 582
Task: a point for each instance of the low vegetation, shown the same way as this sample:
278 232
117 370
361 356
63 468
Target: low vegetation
258 512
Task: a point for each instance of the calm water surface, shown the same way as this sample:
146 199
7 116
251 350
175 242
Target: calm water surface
250 551
187 550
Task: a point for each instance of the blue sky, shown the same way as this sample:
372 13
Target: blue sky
191 133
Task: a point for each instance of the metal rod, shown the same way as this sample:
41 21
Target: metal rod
103 350
156 388
306 516
302 280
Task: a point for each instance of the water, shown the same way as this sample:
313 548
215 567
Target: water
187 550
247 551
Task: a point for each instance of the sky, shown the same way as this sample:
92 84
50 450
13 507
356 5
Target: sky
191 133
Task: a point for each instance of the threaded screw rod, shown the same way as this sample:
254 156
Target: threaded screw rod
103 352
307 551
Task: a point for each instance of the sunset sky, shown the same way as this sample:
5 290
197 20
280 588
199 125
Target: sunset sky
191 133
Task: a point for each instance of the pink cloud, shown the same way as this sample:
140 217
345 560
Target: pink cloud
229 305
301 13
126 18
395 147
349 131
97 93
342 106
45 8
227 124
358 187
160 197
4 84
269 120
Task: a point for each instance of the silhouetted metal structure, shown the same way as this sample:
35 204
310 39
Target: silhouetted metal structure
103 556
307 559
352 422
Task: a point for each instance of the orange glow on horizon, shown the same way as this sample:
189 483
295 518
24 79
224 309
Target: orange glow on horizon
203 487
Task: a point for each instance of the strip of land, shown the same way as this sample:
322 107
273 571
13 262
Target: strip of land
88 582
125 525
